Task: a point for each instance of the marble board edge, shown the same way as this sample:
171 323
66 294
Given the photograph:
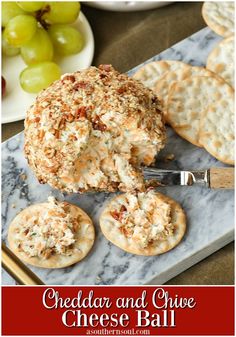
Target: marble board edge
192 260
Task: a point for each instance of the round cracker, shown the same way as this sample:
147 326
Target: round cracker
85 237
114 235
221 60
219 16
163 86
217 131
190 98
151 72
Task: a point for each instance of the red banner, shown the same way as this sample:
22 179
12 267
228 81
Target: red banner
109 311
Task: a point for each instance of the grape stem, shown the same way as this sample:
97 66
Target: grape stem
39 15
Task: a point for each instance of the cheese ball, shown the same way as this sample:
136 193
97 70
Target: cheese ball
92 130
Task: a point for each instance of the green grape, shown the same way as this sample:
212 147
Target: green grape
39 76
62 12
38 49
8 50
9 11
30 6
66 39
20 30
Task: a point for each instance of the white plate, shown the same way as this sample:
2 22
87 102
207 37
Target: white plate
127 6
16 101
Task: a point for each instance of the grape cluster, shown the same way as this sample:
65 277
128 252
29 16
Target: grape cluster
37 31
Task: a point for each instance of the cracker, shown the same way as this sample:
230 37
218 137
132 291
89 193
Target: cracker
111 230
189 98
217 131
221 60
219 16
84 235
151 72
163 86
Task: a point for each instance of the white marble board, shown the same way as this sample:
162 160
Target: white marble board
210 214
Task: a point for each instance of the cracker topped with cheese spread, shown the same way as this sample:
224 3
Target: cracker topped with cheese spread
52 234
144 223
92 130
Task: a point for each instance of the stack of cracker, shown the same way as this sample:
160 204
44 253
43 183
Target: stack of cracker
198 102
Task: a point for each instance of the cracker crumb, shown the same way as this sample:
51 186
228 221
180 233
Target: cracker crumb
169 157
13 205
23 176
